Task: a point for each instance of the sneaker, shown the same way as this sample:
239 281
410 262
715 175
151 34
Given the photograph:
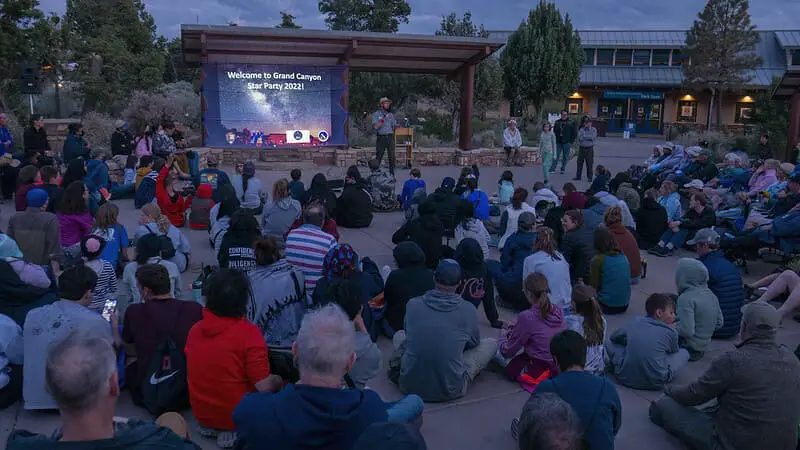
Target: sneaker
661 252
589 180
562 171
694 355
669 251
653 250
552 170
515 428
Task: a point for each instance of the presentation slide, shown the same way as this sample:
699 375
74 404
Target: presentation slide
258 106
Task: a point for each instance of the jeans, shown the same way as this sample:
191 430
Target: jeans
508 285
676 239
692 426
562 154
384 143
585 155
407 409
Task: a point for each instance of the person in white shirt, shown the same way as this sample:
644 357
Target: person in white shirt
512 141
551 263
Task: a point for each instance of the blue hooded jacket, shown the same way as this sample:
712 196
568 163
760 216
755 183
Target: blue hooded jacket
5 136
725 282
96 175
303 417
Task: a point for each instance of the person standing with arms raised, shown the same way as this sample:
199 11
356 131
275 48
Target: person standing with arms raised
384 123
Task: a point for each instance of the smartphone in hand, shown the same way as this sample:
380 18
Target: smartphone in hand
108 309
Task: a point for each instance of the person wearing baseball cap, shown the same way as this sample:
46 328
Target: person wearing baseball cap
700 215
755 387
724 280
36 231
214 177
384 123
441 348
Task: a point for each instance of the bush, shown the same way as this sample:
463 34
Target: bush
98 129
359 139
720 143
435 124
485 139
175 101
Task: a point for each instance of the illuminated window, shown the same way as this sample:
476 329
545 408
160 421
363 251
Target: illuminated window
744 112
687 110
660 57
678 58
623 58
605 57
641 58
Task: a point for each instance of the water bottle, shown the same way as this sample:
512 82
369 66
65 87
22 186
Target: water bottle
197 291
644 268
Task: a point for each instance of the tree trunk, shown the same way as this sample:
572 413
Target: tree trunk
454 117
711 103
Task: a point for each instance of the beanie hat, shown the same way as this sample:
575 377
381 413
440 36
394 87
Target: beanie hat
36 198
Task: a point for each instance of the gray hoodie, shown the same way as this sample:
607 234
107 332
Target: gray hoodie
638 353
279 216
697 308
439 327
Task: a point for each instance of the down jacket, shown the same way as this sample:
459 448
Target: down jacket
725 282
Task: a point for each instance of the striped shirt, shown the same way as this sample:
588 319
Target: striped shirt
306 248
106 287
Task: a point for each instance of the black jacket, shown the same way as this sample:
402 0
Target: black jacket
410 279
694 221
577 246
354 207
703 172
446 203
36 139
121 143
427 232
236 252
476 284
651 222
565 131
324 196
17 297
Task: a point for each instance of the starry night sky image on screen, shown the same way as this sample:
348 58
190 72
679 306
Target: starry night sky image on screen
273 106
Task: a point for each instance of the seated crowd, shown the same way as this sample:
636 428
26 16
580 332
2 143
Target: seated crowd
279 344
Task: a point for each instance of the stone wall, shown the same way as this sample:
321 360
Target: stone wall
290 158
57 131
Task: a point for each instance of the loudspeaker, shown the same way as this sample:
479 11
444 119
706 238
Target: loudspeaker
29 79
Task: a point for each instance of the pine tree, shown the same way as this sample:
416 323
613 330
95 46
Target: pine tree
542 59
721 50
287 21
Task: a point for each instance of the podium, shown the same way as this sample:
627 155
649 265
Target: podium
404 138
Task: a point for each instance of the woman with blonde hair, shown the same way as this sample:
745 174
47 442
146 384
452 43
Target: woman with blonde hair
281 212
152 221
548 261
625 241
531 333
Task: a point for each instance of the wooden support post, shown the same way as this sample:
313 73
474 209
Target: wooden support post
345 102
793 137
465 112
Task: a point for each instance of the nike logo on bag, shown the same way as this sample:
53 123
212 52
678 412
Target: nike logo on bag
154 380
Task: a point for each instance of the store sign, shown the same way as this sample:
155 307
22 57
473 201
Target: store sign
636 95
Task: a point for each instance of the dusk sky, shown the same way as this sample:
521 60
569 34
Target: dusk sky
426 14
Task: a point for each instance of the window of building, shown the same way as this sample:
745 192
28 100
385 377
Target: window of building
660 57
796 57
744 112
605 57
641 58
589 59
623 58
678 58
687 111
574 106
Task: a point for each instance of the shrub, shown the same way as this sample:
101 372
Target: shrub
435 124
175 101
98 129
428 141
485 139
719 142
359 139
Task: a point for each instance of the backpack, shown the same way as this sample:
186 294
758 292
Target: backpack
145 193
167 248
165 387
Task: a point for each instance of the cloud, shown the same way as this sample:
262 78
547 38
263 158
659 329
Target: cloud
426 14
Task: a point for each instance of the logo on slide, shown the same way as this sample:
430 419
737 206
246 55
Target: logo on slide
159 380
298 137
323 136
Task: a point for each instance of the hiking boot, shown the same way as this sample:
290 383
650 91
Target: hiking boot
694 355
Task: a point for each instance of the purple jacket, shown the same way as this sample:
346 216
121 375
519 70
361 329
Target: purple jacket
533 333
74 227
761 181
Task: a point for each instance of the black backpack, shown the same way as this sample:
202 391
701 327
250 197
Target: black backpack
167 248
165 387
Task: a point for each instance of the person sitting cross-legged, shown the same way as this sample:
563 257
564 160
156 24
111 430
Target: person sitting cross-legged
81 375
697 308
441 351
724 280
593 398
507 273
226 357
50 323
347 294
644 354
700 215
755 388
315 412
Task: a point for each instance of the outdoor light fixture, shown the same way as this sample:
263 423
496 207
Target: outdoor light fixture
747 99
575 95
687 98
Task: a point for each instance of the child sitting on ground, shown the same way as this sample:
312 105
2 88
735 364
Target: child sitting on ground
145 167
50 183
410 187
589 322
296 187
213 177
146 187
505 188
644 354
200 210
698 311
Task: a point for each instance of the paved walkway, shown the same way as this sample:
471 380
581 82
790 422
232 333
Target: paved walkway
481 419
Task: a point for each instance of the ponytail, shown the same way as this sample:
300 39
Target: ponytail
586 305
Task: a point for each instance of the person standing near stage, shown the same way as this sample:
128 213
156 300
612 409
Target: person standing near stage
565 136
384 123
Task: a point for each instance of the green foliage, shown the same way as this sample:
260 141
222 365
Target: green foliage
287 21
383 16
543 58
176 101
488 86
436 124
116 50
718 141
772 117
721 46
175 69
98 128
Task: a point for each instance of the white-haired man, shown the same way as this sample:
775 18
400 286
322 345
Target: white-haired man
315 412
81 375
